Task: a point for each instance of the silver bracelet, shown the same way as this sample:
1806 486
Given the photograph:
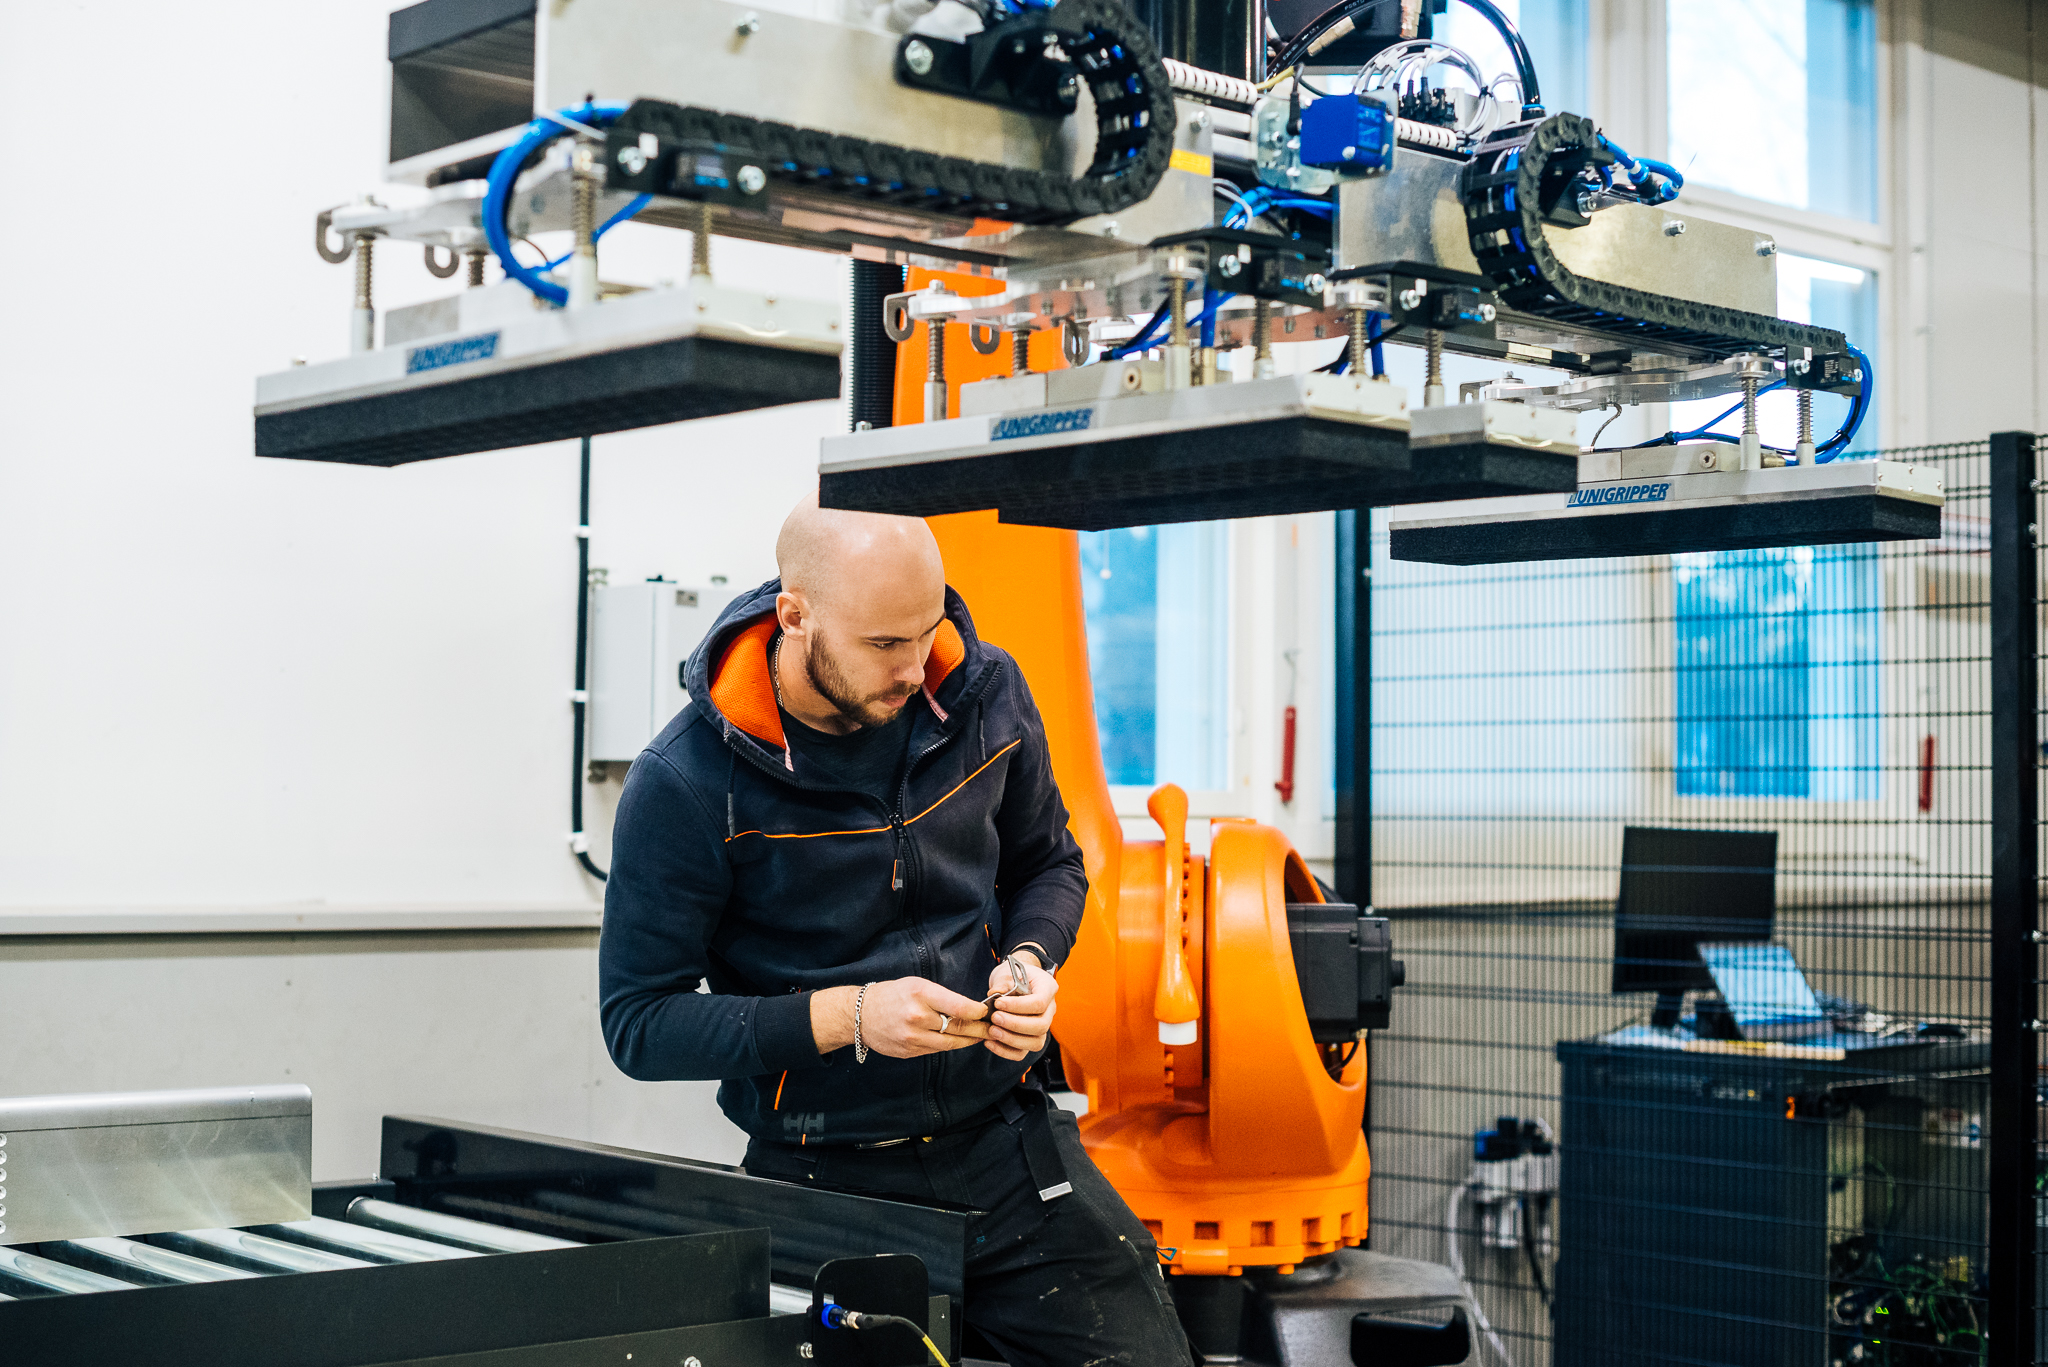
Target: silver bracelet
860 1048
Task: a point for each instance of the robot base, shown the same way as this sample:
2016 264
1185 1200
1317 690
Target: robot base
1351 1307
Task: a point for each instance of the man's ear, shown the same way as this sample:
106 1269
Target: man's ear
790 613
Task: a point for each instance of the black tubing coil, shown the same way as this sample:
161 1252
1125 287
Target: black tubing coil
1134 123
1503 188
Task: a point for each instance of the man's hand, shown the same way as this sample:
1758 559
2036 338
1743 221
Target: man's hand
902 1018
1017 1025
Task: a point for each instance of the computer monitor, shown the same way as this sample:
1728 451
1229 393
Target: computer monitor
1679 887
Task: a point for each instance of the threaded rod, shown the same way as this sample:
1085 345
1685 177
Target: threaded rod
1020 352
583 214
1177 317
365 245
1433 378
476 257
700 243
1361 343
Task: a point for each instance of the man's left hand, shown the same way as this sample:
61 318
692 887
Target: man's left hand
1018 1025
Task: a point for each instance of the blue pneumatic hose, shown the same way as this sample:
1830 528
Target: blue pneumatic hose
633 207
1640 169
1859 408
504 174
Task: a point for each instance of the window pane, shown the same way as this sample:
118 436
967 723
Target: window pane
1777 673
1157 604
1555 31
1777 99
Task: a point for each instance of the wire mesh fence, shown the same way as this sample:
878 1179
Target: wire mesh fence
1561 1108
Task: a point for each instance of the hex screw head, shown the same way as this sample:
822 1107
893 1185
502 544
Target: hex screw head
917 55
1674 227
633 159
749 26
1230 265
752 179
1766 247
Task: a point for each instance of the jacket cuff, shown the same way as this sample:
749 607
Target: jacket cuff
782 1033
1058 943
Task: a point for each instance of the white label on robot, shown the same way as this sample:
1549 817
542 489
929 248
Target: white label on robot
1620 493
1042 424
458 352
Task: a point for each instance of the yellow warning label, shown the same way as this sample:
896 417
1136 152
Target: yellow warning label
1184 160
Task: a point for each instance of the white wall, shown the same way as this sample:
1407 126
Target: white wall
229 684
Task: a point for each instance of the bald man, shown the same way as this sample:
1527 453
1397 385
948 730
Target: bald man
841 884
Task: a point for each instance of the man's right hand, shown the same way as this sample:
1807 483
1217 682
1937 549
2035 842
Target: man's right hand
900 1018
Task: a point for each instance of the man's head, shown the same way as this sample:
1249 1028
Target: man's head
862 597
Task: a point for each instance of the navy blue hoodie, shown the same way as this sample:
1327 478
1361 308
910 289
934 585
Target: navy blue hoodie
731 867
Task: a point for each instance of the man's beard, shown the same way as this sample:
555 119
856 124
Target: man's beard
826 676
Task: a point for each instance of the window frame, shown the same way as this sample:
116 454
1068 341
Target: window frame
1628 85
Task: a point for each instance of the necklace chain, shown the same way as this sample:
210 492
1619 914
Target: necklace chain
775 669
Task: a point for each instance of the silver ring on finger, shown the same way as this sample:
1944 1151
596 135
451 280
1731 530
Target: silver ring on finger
945 1022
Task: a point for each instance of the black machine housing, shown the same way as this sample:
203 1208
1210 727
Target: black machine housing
1346 967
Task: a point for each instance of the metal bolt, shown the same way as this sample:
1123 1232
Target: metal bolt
753 179
863 426
1315 284
918 57
1111 228
1410 300
1199 122
1766 247
633 159
1487 313
692 1362
748 26
803 1350
1674 227
1230 265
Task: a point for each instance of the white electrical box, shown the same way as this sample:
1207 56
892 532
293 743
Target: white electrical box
641 635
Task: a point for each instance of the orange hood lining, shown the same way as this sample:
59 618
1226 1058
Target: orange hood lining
745 695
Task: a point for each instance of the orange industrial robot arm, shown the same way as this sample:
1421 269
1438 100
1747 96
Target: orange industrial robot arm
1212 1109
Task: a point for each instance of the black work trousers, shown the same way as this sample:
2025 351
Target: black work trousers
1071 1282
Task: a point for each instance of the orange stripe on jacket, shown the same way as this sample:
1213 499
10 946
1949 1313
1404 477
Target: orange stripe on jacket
878 830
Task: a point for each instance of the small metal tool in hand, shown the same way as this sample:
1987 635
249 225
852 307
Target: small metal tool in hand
1020 983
